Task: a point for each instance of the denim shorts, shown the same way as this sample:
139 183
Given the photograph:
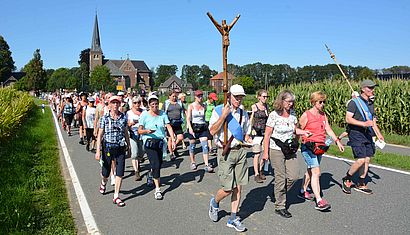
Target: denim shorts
311 159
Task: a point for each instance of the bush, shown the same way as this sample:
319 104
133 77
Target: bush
14 106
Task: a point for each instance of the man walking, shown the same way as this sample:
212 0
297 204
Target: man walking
233 168
362 126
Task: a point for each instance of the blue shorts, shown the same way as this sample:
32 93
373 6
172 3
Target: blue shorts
311 159
364 150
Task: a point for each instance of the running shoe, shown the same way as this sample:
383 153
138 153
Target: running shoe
209 169
363 189
346 186
213 211
193 166
158 194
236 224
305 195
322 205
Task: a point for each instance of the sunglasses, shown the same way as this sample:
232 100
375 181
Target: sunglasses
200 96
322 102
138 102
265 96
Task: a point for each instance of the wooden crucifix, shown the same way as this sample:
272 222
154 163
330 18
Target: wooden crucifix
224 30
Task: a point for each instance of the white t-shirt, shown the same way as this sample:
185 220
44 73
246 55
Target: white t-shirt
89 116
283 128
133 117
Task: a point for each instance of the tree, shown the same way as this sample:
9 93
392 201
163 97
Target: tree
6 61
191 73
163 72
248 83
59 79
100 79
36 76
85 59
366 73
205 75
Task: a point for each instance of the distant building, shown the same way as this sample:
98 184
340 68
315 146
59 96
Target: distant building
217 82
127 73
389 76
15 76
175 83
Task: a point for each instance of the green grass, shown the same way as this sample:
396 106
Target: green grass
383 159
33 197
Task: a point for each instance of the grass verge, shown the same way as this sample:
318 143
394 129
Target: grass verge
32 193
383 159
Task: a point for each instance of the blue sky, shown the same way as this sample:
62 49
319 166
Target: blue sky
369 33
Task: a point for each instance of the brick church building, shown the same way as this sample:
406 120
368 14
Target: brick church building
128 73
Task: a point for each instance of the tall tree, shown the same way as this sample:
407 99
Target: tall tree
191 73
36 76
6 61
100 79
248 83
205 75
85 59
163 72
58 79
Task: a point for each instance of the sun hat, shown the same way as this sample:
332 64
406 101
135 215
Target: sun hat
237 90
115 98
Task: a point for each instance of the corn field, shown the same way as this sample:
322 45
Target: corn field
392 104
14 106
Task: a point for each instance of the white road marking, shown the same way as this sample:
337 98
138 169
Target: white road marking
82 200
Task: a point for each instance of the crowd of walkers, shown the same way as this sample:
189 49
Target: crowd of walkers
118 126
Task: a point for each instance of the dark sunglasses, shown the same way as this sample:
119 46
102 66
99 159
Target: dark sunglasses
265 96
138 102
322 102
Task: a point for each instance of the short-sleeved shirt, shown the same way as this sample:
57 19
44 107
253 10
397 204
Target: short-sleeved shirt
283 127
210 106
245 124
358 134
114 129
132 117
157 123
174 111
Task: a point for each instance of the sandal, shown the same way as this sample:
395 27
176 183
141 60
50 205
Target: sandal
102 188
118 201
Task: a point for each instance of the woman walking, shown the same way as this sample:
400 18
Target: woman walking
280 143
315 121
135 139
174 109
88 120
258 120
198 129
152 126
68 112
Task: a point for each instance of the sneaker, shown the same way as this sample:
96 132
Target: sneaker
236 224
213 211
113 180
137 176
363 189
346 186
209 169
87 147
305 195
258 179
158 194
322 205
193 166
150 181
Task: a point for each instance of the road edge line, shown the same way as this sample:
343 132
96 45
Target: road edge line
370 165
82 200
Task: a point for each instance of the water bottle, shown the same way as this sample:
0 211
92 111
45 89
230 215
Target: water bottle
266 166
328 142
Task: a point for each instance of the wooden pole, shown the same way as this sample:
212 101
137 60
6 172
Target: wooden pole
224 30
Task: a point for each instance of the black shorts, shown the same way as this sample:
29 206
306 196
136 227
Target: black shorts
210 137
198 135
113 153
68 119
365 150
177 130
80 122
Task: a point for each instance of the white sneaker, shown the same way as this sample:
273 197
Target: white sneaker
113 180
158 194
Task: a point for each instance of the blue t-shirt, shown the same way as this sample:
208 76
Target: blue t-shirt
156 123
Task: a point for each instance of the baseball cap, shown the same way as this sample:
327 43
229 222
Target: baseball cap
198 93
367 83
213 96
91 99
237 90
115 98
120 93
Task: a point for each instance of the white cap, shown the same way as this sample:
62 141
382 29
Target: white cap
237 90
120 93
152 97
91 99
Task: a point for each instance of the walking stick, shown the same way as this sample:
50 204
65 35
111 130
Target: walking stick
224 30
347 80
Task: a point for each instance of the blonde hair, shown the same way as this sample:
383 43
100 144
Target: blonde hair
317 95
278 104
260 92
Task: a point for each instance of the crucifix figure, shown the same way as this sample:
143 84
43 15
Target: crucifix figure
224 30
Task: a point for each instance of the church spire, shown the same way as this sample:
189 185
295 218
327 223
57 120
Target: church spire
96 44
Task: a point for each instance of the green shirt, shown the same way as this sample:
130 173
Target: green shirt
210 106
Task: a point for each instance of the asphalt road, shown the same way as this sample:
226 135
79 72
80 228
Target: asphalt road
184 209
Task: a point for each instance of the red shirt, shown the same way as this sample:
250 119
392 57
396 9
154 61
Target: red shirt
316 125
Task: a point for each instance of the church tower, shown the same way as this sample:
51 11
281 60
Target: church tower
96 54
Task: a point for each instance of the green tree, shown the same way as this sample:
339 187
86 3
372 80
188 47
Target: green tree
163 72
6 61
192 74
366 73
36 76
248 83
100 79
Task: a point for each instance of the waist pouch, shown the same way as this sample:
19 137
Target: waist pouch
133 135
317 148
288 148
199 127
152 143
176 122
113 149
